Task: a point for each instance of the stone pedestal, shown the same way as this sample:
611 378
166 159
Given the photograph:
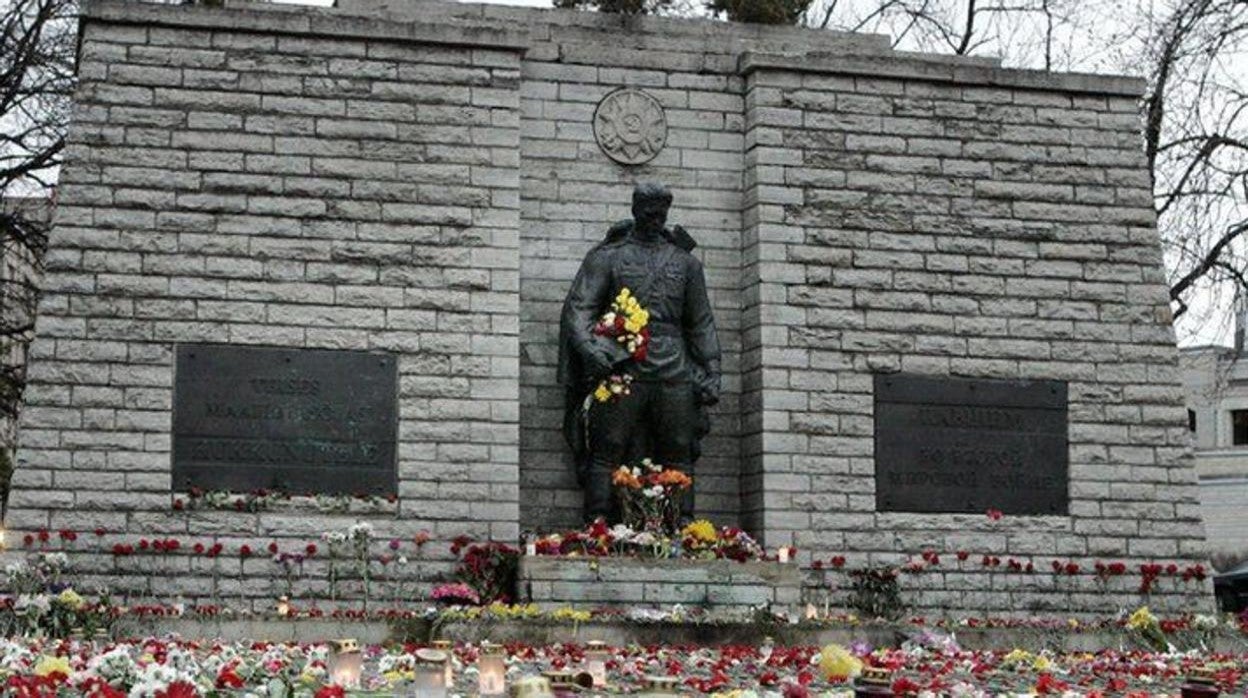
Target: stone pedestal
716 585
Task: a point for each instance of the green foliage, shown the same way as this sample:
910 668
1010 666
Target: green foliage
626 7
876 593
760 11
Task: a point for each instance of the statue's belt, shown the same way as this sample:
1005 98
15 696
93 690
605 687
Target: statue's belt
665 328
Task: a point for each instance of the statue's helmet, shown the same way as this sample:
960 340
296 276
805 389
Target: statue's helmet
651 192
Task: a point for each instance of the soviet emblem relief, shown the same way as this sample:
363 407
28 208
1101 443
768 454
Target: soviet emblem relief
630 126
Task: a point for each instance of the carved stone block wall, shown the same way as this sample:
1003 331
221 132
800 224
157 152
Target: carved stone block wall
315 181
424 180
959 220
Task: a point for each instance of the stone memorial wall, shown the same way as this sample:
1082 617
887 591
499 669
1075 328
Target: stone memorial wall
422 180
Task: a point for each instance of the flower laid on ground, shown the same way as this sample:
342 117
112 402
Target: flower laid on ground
1143 621
622 540
154 667
650 496
837 664
700 533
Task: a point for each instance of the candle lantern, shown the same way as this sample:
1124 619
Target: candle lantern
283 607
346 663
448 648
562 683
783 554
596 656
532 687
1201 683
491 671
766 649
430 674
659 687
873 682
100 640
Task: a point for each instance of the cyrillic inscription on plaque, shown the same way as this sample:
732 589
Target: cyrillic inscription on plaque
961 445
303 421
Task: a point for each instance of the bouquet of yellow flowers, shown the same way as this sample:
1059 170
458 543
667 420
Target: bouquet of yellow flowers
626 323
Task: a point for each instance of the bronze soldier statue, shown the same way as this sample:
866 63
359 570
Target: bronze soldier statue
664 417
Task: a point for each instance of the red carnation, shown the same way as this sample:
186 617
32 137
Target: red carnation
229 679
273 548
178 689
244 551
838 561
310 549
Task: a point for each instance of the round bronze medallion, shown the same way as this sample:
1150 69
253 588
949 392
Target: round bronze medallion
630 126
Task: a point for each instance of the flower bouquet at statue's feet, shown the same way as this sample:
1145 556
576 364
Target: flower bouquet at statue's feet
650 496
624 328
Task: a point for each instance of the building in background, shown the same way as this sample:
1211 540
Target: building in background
1215 379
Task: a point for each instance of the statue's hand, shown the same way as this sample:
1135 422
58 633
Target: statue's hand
598 362
708 388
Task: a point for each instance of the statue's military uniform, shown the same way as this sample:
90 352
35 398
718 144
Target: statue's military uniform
664 416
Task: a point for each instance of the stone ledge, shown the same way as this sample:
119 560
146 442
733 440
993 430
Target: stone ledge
936 68
588 582
624 633
304 20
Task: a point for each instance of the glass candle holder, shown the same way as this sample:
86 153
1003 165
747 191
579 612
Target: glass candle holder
346 663
596 656
491 671
447 647
429 680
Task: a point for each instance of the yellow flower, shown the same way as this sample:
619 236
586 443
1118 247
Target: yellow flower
70 598
1142 619
397 676
567 613
52 665
602 393
702 531
1018 656
1041 663
837 664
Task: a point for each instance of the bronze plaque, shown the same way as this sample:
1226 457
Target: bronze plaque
302 421
954 445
